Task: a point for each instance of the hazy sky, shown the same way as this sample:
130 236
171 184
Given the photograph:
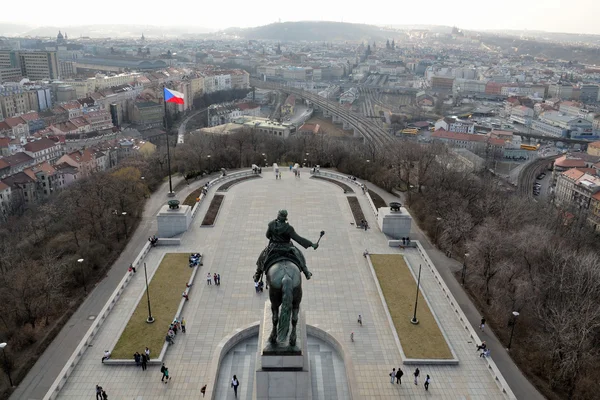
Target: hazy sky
577 16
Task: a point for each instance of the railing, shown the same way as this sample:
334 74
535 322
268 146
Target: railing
335 175
493 369
60 381
373 208
216 181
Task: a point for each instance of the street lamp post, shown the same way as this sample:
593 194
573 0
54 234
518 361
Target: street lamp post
124 214
414 319
306 159
464 268
80 261
6 366
512 331
437 229
209 164
150 318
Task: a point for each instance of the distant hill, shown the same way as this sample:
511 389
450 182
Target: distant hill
314 31
104 30
9 29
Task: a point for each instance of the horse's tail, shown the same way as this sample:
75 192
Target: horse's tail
283 326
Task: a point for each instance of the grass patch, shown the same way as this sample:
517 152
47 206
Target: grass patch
340 184
356 210
424 340
225 187
190 200
165 294
377 200
213 210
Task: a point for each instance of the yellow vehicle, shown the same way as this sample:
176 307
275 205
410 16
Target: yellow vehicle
410 131
530 147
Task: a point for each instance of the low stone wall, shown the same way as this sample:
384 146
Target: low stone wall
493 369
85 343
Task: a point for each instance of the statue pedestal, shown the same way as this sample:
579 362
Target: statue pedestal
394 223
282 372
173 222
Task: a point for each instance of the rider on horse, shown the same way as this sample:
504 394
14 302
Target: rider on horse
280 246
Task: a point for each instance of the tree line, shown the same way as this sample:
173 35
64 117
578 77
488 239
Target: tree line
41 281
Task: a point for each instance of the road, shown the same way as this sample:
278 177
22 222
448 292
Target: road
48 366
521 387
182 126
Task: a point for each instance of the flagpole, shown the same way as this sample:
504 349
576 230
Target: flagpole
171 194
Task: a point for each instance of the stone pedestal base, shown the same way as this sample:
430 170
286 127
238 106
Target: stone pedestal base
173 222
394 223
282 372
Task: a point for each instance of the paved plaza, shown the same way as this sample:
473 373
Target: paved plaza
342 287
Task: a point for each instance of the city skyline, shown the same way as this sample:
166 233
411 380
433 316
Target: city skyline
508 15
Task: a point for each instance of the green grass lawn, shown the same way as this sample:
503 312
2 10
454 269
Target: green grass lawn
424 340
166 287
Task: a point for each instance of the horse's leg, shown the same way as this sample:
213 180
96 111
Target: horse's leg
275 303
295 312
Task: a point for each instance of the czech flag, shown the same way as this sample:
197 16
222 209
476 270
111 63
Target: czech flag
171 96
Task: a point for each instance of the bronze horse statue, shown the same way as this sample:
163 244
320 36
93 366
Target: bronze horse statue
285 290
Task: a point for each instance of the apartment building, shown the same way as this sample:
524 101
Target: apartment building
575 188
455 125
521 114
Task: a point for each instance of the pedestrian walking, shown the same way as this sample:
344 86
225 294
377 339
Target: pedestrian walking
147 352
166 375
234 384
482 325
104 395
162 371
426 384
256 287
218 279
144 362
399 374
203 390
360 319
215 278
352 336
98 392
393 375
208 279
182 324
416 374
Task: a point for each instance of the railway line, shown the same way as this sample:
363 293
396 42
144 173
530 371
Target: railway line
529 172
364 127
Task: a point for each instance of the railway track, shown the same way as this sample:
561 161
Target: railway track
366 128
528 174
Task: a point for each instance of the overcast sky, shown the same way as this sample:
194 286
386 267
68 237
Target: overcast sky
577 16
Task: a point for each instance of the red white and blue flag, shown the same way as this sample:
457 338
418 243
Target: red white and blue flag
172 96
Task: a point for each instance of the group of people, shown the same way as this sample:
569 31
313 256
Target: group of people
142 359
297 173
259 286
364 224
485 352
100 393
216 278
153 240
277 175
175 326
195 260
405 241
396 375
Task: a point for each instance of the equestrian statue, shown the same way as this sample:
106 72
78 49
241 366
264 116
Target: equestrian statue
281 262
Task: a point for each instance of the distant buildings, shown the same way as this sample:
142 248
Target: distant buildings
35 65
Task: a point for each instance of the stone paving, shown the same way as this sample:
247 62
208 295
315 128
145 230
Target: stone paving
342 287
